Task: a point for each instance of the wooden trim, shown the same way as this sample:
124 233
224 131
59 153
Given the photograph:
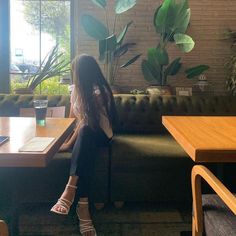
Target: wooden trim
201 172
3 228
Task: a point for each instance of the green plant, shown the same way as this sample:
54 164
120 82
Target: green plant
52 65
49 87
171 21
230 65
111 44
196 71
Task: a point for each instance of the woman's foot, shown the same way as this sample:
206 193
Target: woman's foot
85 222
64 203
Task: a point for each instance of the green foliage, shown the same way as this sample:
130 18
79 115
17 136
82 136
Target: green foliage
49 87
196 71
52 65
94 28
100 3
55 20
184 42
124 5
111 47
171 20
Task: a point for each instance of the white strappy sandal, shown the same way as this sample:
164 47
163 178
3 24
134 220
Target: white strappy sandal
85 225
63 203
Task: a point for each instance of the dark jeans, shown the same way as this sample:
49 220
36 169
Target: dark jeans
84 154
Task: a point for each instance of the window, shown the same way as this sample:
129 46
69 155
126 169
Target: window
36 26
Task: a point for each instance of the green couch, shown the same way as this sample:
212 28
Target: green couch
146 162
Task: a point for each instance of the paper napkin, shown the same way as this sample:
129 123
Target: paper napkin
36 144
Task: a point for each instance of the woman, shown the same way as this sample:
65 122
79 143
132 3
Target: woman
92 104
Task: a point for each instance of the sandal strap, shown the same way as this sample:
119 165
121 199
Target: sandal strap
83 203
71 186
86 227
64 203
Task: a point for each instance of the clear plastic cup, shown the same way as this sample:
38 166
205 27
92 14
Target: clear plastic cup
40 107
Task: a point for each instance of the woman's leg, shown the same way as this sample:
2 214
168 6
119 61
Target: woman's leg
82 164
79 156
68 194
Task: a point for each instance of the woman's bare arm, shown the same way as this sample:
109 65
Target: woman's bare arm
70 142
71 139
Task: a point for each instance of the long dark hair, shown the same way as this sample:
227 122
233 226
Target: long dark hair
87 75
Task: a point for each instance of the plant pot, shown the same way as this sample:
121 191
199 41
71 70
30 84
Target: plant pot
159 90
23 91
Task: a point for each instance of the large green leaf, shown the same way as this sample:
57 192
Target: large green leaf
150 73
107 44
124 5
94 27
162 56
123 33
172 17
182 22
174 67
196 71
131 61
184 42
161 16
100 3
123 49
153 57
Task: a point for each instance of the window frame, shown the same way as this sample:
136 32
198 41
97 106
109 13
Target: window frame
5 42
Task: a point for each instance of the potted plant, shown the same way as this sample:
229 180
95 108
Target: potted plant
111 43
52 65
197 72
171 21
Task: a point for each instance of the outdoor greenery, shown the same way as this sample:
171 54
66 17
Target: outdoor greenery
54 20
111 43
52 65
171 21
230 65
50 87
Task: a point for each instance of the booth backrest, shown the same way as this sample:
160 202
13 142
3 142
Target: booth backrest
143 114
10 104
137 113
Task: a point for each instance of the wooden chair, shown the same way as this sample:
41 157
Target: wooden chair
213 214
3 228
51 112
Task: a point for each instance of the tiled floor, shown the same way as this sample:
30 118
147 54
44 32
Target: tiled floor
132 219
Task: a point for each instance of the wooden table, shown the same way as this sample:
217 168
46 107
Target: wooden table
205 138
21 130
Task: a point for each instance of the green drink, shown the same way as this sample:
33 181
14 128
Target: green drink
40 107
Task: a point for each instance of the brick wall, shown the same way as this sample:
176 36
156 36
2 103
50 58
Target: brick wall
209 20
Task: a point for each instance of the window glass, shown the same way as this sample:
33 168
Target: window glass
37 26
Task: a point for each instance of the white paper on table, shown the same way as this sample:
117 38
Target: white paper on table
36 144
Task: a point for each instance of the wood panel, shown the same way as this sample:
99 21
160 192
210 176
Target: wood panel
204 138
21 130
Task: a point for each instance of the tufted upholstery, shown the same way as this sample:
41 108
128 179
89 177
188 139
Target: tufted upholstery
10 104
137 113
145 158
142 113
147 163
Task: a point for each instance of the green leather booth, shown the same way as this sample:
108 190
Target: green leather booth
147 164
